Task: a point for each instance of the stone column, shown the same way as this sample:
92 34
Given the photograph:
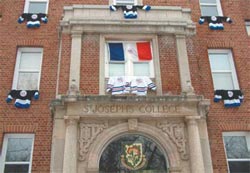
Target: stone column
70 148
186 85
196 158
75 59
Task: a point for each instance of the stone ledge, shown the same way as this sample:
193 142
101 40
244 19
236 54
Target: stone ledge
99 19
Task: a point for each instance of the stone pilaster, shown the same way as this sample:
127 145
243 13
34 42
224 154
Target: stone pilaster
186 85
196 158
70 148
75 60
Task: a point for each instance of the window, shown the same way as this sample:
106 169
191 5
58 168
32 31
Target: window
223 70
36 6
17 153
247 23
125 2
126 58
28 69
210 8
237 147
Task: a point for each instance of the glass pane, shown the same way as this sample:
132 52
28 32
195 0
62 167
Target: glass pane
18 150
116 69
207 1
37 7
131 147
125 2
141 69
209 11
236 147
239 167
16 168
219 61
30 61
248 29
27 81
223 81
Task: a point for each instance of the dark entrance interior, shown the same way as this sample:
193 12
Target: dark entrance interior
141 154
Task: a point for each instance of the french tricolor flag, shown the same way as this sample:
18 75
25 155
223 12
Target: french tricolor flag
137 51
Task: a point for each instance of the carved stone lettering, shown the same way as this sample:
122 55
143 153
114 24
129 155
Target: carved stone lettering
175 131
88 133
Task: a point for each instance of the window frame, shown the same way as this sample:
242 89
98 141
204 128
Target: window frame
128 63
18 61
27 4
232 65
138 37
247 24
236 133
5 145
217 4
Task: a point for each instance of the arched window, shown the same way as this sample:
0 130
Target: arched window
133 154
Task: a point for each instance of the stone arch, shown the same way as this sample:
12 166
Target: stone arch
103 140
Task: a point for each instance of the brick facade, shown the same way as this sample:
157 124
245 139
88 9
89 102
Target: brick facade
38 118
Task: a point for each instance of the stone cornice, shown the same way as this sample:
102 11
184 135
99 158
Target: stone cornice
99 19
107 106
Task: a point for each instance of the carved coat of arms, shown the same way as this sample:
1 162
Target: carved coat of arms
133 157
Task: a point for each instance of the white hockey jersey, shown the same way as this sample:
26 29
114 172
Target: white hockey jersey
139 85
118 85
125 84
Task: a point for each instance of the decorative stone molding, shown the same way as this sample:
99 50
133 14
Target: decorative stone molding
88 133
98 19
71 120
175 131
132 124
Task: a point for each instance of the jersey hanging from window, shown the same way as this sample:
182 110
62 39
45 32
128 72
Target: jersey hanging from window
130 11
232 98
23 97
33 20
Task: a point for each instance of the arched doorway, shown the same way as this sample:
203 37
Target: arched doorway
133 153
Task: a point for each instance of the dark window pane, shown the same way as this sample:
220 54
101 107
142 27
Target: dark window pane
111 157
16 168
239 167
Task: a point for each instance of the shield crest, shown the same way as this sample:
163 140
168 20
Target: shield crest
133 157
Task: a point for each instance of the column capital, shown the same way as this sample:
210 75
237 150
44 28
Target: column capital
192 120
71 120
180 36
76 34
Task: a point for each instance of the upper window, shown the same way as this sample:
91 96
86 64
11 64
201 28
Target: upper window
129 58
247 23
36 6
223 70
28 69
125 2
210 8
237 146
17 153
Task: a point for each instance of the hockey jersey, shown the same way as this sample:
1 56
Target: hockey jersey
130 11
118 85
23 97
139 85
130 84
231 98
33 20
215 22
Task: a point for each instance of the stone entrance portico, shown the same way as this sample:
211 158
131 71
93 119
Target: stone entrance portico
85 125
